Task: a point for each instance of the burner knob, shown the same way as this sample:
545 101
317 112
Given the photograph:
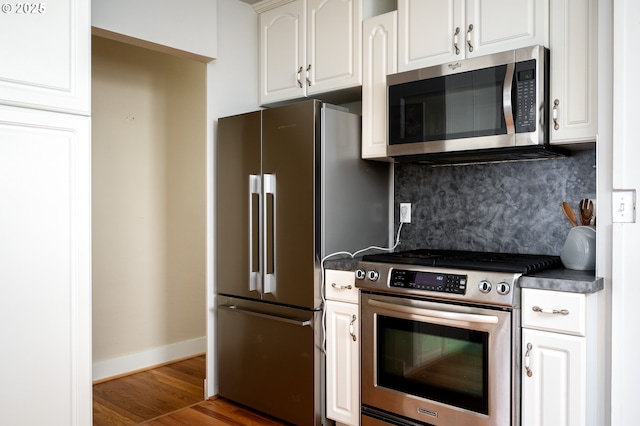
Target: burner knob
503 288
484 286
373 275
360 274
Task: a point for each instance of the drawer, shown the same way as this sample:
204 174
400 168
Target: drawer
340 285
554 311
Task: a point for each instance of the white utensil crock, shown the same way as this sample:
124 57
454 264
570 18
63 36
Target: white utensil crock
579 250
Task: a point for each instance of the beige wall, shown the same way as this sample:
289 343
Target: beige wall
149 199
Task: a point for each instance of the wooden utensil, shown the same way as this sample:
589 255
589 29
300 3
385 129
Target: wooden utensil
585 209
569 213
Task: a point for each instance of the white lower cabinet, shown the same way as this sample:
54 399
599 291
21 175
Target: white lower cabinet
554 393
343 348
557 352
45 267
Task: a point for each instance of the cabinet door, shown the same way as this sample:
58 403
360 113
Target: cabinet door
498 25
379 58
427 32
334 44
555 393
343 362
46 55
45 258
282 53
574 71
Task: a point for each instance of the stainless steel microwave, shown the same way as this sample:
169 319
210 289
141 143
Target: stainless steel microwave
489 108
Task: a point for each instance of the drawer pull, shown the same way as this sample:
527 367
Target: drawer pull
550 311
341 287
526 360
351 329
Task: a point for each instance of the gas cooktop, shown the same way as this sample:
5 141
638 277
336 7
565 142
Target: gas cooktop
473 260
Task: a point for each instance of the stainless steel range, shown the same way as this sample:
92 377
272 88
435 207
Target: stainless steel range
441 336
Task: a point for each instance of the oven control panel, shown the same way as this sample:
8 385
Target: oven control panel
431 281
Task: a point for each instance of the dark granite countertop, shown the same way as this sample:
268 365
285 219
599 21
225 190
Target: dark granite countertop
558 279
562 279
342 263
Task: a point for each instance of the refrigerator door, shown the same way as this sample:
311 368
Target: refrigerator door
290 189
238 216
269 358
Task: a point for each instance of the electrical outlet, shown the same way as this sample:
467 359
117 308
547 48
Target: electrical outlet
405 212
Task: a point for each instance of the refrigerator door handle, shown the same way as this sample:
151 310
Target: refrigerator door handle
294 321
269 182
254 232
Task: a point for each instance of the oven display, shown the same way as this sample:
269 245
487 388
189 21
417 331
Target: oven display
418 280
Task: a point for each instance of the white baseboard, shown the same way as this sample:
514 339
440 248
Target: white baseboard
141 360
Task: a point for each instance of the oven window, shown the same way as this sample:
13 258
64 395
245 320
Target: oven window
441 363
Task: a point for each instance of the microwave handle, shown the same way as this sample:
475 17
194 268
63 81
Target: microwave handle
432 313
507 105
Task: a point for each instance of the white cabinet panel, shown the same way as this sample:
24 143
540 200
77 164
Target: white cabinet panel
343 362
282 52
555 393
427 32
46 55
334 44
45 252
574 71
379 58
506 24
563 312
441 31
309 47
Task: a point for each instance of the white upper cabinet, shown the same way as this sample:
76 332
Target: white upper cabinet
427 32
379 58
309 47
282 52
439 31
46 55
574 71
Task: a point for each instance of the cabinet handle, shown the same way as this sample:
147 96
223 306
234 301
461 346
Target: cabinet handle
299 73
455 40
469 37
556 126
353 320
527 360
341 287
308 70
550 311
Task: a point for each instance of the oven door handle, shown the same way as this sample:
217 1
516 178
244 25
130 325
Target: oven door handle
432 313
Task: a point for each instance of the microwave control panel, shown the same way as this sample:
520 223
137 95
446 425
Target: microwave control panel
525 102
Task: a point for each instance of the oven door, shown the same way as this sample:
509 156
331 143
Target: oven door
436 362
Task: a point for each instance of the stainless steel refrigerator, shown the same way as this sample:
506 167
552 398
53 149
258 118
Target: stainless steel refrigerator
290 189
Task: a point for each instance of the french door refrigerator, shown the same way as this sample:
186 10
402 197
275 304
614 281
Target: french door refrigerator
290 189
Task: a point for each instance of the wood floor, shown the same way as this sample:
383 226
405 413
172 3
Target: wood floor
170 395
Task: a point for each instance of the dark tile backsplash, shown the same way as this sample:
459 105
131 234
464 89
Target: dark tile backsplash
508 207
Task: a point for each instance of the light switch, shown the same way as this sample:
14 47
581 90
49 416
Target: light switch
624 206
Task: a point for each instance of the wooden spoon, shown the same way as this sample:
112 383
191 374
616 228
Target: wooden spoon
585 208
569 213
